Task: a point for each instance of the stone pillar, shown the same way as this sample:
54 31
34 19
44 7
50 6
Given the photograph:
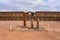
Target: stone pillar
32 23
37 23
24 19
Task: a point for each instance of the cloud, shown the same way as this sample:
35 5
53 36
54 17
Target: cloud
5 1
4 10
30 5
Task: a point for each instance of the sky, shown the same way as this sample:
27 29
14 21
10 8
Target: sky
29 5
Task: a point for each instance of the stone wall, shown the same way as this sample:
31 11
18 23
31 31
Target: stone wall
45 16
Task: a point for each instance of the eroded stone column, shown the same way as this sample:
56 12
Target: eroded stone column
37 23
24 19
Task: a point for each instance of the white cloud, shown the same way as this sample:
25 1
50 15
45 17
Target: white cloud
4 10
35 1
5 1
30 5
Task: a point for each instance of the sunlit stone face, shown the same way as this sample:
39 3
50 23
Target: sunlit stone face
21 15
29 13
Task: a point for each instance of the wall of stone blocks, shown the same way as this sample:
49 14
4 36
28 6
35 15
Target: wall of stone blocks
45 16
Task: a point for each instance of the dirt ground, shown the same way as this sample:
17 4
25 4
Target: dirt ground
52 33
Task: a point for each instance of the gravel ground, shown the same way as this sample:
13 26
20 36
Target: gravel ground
53 32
